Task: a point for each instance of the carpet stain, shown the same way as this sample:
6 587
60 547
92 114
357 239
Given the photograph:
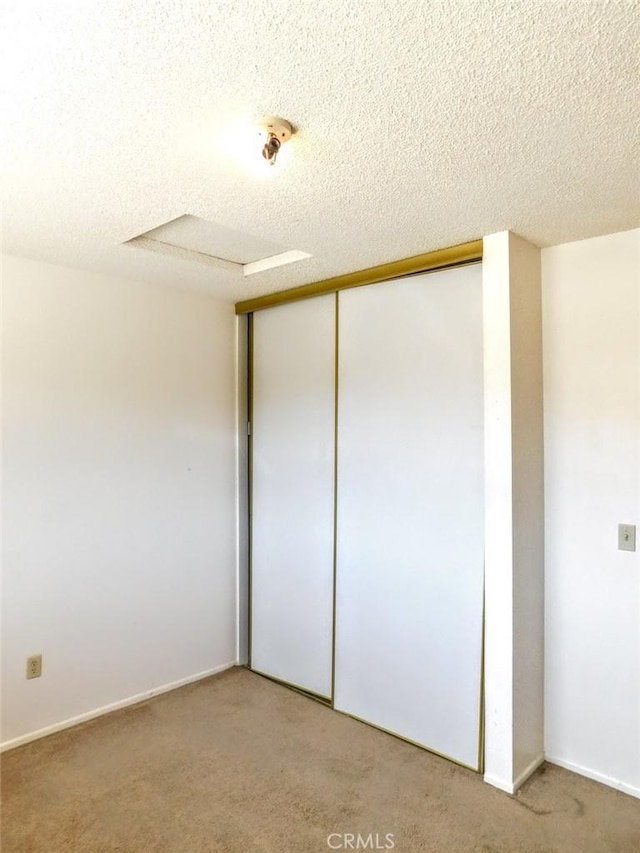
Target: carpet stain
580 809
532 809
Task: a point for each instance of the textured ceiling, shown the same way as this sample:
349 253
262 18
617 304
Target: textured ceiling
421 125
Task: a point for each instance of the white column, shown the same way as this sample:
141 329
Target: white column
514 510
242 474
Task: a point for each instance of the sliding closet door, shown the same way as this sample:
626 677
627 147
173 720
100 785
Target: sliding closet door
293 428
410 509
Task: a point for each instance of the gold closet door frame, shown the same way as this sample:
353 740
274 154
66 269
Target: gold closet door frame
465 253
440 259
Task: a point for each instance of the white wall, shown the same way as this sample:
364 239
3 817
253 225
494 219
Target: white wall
119 491
242 459
592 480
527 449
514 523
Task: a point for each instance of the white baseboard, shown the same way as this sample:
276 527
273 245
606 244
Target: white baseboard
512 787
597 777
107 709
528 771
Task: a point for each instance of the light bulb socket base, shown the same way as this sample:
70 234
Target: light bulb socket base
278 127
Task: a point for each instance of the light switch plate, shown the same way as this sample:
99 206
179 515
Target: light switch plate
626 537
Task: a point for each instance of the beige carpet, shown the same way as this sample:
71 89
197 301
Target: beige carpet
239 764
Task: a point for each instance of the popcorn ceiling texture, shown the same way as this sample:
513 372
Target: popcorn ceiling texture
421 125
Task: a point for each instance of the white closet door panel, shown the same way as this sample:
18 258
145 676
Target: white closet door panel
410 509
293 493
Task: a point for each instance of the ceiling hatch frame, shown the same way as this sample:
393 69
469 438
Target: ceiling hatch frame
191 238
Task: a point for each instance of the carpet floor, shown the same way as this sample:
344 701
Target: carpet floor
239 764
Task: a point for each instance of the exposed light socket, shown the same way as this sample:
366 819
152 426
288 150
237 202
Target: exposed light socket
626 537
34 666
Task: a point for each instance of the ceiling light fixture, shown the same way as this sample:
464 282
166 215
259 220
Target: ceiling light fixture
274 131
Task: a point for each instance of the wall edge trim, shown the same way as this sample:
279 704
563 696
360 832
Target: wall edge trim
69 723
602 778
512 787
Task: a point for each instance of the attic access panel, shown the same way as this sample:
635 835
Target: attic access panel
208 238
207 242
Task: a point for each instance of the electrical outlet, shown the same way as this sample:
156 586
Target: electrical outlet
34 666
